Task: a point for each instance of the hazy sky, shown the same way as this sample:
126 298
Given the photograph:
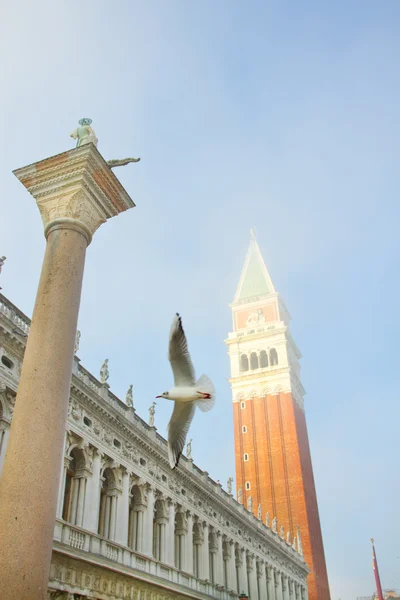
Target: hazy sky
283 116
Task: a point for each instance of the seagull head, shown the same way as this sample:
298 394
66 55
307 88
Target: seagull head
164 395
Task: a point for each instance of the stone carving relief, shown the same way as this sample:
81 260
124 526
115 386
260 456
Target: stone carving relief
77 206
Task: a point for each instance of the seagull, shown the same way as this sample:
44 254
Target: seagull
187 392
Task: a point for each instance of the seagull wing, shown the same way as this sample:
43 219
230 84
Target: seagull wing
179 356
178 428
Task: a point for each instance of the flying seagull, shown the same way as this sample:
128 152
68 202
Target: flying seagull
187 392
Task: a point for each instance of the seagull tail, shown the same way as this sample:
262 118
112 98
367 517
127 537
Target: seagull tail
205 385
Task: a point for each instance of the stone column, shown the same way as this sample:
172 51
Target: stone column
76 192
121 533
290 588
252 578
81 500
231 566
188 561
219 563
270 583
61 491
170 534
262 582
285 589
147 547
205 562
278 585
92 503
243 573
3 447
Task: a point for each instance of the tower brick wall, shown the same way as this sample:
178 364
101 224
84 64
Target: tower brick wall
272 453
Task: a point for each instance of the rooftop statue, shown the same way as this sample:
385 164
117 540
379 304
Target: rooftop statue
129 396
84 133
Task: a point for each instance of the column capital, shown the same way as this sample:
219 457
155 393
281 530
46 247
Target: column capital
75 190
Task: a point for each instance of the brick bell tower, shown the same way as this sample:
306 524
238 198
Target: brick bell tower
272 453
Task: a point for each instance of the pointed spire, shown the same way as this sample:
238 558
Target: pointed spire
254 280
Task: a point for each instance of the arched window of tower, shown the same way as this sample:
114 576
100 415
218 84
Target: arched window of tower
253 361
244 363
246 457
273 357
248 485
263 359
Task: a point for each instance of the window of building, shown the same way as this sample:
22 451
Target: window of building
7 362
253 361
263 359
273 357
244 429
246 457
243 405
244 363
248 486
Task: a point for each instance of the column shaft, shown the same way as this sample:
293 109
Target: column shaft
113 517
122 519
205 574
188 559
38 425
147 547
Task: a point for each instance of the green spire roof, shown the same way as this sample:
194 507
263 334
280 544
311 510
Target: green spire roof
255 279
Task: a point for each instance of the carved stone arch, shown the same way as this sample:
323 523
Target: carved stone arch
161 508
181 522
212 540
139 496
238 555
240 396
252 394
198 532
265 392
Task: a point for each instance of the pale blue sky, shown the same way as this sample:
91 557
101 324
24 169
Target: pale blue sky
277 115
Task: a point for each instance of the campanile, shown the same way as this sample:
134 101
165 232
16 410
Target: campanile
272 453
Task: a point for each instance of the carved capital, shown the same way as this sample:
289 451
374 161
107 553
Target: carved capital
75 190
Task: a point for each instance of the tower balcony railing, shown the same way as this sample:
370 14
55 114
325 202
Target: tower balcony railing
251 331
92 544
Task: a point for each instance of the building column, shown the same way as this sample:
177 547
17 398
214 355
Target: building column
252 578
243 573
231 567
290 588
4 433
205 563
188 552
285 589
147 544
219 563
139 530
278 585
92 502
122 526
297 594
262 581
76 192
81 500
271 583
61 491
170 534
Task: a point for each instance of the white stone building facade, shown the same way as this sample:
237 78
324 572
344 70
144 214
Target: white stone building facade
127 526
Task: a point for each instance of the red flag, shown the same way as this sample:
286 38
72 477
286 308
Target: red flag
376 572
